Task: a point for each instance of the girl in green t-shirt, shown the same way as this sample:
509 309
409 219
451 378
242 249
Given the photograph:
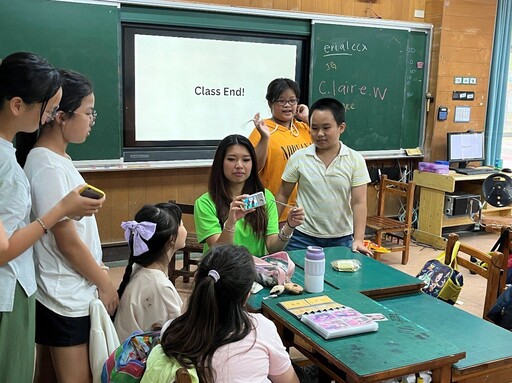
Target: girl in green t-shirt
222 216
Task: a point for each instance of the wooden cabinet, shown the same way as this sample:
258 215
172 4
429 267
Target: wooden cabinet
431 215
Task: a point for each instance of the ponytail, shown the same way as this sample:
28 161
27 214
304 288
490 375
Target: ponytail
127 271
215 314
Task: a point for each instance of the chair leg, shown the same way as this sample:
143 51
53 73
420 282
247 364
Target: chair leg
405 253
171 268
186 266
378 238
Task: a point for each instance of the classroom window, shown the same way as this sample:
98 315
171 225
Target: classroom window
506 145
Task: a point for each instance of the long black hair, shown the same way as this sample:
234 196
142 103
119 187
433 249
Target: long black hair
218 185
216 314
75 87
33 79
167 217
28 76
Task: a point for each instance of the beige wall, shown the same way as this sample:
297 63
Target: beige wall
463 35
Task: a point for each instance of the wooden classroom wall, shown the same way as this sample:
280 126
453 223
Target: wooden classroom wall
463 41
463 36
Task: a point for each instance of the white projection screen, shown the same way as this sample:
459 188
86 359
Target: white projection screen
184 90
190 88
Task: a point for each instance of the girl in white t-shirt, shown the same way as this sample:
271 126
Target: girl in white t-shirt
30 92
146 294
216 335
68 259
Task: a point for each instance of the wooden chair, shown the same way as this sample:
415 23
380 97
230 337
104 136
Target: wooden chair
191 246
505 248
383 225
491 273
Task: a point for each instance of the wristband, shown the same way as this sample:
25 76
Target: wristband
45 229
284 235
229 229
281 238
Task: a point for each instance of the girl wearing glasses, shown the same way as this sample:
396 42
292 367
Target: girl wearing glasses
69 258
30 88
277 138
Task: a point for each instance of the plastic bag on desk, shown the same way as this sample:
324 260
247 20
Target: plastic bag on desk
274 269
351 265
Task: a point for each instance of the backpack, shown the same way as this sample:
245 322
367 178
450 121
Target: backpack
500 245
442 281
501 312
128 362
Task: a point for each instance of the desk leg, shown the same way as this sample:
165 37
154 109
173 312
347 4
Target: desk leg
442 374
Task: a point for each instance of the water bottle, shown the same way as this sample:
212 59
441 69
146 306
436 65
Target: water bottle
314 269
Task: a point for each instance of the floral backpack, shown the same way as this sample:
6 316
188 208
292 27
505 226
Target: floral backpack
128 362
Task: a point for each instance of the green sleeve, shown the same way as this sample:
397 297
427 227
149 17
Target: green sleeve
205 218
273 219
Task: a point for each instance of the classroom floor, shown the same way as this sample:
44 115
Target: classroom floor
471 298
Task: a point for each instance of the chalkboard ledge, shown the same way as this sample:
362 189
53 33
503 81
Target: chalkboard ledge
387 154
88 166
120 165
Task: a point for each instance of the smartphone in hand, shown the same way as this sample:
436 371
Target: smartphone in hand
92 192
89 192
255 200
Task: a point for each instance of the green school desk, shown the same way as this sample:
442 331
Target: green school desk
255 300
375 279
488 347
398 348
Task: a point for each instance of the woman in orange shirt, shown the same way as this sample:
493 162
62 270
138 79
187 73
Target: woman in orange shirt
275 139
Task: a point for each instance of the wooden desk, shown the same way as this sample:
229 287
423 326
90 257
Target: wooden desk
398 348
488 347
375 279
431 217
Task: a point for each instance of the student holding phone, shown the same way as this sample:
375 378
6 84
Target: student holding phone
222 215
69 258
275 139
30 92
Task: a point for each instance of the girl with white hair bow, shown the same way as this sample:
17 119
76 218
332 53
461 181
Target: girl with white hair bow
146 294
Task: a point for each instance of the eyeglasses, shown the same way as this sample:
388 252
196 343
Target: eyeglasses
92 116
292 101
53 113
50 115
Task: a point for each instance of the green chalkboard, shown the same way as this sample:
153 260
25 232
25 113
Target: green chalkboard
82 37
373 68
380 75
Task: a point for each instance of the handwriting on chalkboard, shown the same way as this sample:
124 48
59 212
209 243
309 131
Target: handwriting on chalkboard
346 48
333 88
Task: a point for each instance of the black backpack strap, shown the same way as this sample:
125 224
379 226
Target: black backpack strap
498 246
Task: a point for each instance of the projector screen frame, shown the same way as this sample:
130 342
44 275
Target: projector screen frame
138 150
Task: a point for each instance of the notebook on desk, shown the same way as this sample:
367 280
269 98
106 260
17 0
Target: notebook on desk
328 318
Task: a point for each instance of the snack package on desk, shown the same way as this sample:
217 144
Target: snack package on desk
350 265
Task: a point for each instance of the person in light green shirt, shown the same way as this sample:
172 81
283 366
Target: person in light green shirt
221 214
